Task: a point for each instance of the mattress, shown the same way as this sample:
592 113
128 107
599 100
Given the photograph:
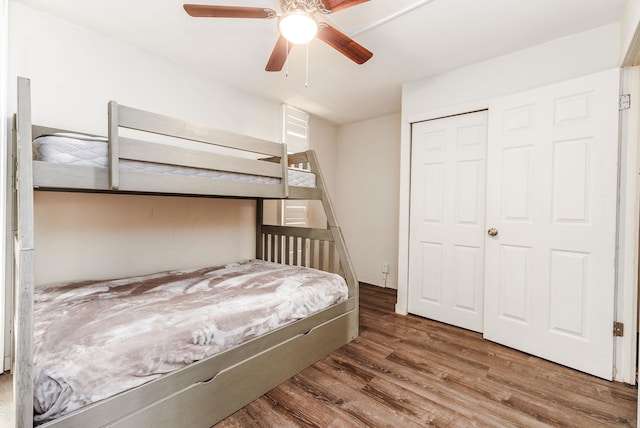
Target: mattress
94 339
77 149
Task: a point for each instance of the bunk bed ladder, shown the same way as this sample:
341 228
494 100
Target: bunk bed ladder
327 249
332 224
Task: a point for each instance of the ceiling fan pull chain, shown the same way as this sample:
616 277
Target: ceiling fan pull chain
286 62
306 76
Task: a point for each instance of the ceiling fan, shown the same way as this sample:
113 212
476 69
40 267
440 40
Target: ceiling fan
297 25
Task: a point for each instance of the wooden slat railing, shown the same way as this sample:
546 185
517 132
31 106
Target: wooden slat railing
299 246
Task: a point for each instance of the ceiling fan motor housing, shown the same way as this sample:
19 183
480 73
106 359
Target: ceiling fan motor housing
308 6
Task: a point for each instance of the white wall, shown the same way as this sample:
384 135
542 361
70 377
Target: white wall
367 196
322 140
630 34
540 65
74 73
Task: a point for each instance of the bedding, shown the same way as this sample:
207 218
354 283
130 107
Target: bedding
83 150
94 339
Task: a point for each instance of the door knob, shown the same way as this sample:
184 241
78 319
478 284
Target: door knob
492 232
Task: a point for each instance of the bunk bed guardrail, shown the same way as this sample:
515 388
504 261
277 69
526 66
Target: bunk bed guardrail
133 149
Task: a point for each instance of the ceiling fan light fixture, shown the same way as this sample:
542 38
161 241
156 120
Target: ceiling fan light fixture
298 26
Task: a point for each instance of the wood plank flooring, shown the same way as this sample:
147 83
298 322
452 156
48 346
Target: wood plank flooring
406 371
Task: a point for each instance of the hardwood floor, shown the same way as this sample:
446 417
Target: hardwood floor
406 371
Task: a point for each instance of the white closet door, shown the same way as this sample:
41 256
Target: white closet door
552 197
446 255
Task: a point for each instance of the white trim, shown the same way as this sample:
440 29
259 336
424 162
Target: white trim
390 17
402 302
405 188
455 110
295 129
4 54
295 134
625 347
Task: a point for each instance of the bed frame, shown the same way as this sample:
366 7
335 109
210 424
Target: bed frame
205 392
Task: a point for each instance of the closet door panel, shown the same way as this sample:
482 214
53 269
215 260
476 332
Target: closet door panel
446 261
552 198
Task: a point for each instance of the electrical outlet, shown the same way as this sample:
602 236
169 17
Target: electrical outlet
385 267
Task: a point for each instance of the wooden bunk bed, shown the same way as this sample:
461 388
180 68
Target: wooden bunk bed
204 392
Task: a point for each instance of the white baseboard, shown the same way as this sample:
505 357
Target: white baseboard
378 280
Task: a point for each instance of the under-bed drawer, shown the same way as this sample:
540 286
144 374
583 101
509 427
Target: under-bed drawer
206 403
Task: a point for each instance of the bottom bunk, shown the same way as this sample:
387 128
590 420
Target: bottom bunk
95 339
293 315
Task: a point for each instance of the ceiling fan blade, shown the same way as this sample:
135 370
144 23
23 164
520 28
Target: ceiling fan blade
344 44
336 5
279 55
206 11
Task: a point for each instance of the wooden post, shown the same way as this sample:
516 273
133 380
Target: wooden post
23 371
259 220
284 161
114 146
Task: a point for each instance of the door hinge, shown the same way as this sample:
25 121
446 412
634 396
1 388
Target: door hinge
618 329
624 102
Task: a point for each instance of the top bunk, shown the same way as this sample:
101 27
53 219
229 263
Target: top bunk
148 153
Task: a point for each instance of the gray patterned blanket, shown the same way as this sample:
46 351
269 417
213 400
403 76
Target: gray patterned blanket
95 339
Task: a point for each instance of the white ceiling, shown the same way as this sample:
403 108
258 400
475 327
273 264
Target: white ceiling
437 36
